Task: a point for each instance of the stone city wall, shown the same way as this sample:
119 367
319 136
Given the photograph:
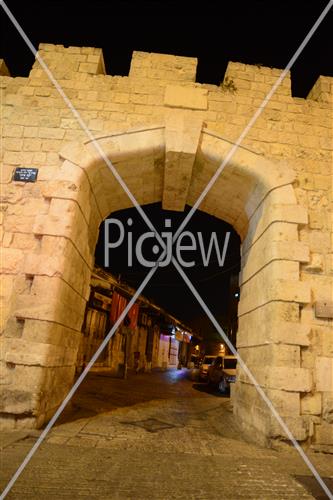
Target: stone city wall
167 134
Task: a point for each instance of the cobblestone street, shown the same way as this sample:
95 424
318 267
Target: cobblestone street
154 436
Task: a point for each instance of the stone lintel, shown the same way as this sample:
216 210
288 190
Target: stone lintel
177 96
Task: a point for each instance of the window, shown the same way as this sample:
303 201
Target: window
230 363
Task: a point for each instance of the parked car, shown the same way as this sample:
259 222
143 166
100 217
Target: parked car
205 364
222 372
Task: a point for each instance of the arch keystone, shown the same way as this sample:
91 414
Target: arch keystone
182 135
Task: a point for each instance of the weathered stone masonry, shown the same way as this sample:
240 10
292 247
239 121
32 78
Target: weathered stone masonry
166 135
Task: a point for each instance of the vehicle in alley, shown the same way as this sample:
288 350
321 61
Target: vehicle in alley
222 372
204 365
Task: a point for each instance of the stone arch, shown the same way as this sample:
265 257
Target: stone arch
253 194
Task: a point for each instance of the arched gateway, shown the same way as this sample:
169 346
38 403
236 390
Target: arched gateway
51 226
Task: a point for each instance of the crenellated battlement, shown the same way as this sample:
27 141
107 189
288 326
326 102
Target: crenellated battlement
259 79
3 68
256 80
63 61
157 85
322 91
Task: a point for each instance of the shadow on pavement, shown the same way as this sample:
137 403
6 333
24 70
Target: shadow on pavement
210 389
102 392
311 484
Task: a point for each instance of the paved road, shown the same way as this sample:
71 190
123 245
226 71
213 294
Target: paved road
154 436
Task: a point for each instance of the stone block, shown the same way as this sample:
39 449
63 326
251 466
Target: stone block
24 241
281 378
29 206
255 416
11 260
17 401
264 217
316 219
51 145
51 133
12 144
69 190
7 424
162 66
286 403
271 354
263 252
51 299
6 374
254 294
32 144
26 353
291 333
88 67
182 136
324 373
319 241
6 285
51 333
52 260
328 407
185 97
329 264
298 426
322 340
251 412
12 130
65 219
273 331
321 286
311 404
284 195
14 328
316 264
324 434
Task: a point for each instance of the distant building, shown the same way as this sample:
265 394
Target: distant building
148 338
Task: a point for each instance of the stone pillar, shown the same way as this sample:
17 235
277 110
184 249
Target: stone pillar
270 334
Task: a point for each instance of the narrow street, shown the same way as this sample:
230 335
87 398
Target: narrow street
154 436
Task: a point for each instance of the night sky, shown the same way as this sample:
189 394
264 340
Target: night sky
254 32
